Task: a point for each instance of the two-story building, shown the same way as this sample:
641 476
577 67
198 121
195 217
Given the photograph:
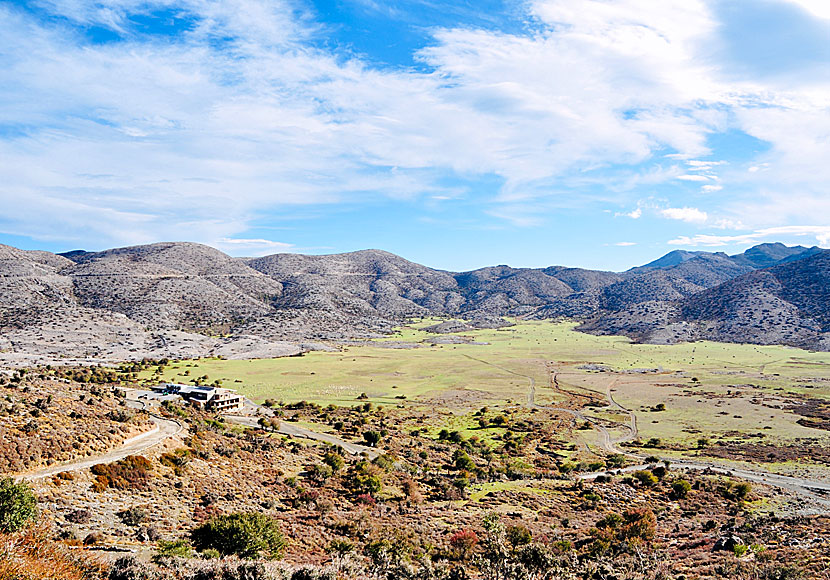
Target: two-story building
216 399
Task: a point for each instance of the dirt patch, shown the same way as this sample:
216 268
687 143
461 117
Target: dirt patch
815 413
458 397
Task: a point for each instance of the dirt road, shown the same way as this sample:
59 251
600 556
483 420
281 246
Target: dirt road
164 428
817 493
287 428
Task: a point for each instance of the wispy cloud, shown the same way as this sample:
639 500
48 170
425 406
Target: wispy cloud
238 114
252 247
821 235
634 214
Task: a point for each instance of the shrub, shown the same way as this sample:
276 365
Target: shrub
320 472
736 491
386 462
640 525
462 461
372 438
463 542
132 516
132 472
518 535
174 548
364 478
31 555
645 477
94 539
18 505
79 516
131 568
334 461
365 499
248 535
680 488
611 520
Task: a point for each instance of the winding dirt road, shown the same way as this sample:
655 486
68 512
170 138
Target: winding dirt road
817 493
164 429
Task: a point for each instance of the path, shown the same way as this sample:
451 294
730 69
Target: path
254 411
818 492
164 428
531 395
287 428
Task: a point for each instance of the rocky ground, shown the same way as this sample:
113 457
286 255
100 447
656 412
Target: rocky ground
424 488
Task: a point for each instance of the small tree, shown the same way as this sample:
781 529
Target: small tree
18 505
518 536
372 438
462 461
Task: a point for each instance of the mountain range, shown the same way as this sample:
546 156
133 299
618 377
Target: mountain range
185 299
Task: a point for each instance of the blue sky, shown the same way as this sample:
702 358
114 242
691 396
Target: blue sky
458 134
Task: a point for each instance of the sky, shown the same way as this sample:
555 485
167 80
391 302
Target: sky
456 133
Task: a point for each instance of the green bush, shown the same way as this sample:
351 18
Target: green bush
334 461
645 477
518 536
18 505
680 488
247 535
174 548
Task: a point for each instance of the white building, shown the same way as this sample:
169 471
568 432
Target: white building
208 398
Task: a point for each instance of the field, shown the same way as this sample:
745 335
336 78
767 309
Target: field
723 393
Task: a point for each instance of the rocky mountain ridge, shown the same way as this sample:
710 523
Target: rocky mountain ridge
185 299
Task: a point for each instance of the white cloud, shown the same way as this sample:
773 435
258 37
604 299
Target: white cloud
241 116
625 244
252 247
634 214
819 8
687 214
821 235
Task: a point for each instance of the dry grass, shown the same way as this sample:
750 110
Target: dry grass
31 555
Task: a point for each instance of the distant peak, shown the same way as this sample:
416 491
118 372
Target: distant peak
673 258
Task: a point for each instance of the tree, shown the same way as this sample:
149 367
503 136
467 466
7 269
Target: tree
247 535
462 461
372 438
18 505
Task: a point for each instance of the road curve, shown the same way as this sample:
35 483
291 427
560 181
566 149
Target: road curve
163 429
817 492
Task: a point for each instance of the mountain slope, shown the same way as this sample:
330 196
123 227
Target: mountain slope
369 282
785 304
173 285
173 299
